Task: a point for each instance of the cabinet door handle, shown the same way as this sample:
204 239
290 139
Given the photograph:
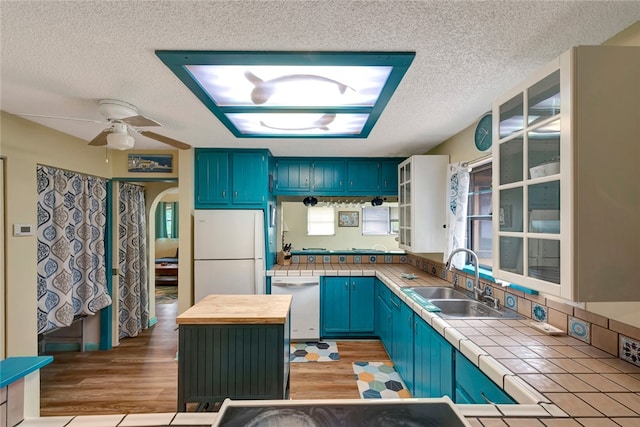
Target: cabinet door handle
224 194
235 195
340 183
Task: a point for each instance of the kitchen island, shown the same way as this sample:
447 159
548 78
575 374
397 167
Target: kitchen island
233 346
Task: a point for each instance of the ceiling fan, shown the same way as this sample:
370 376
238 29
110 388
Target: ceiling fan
124 121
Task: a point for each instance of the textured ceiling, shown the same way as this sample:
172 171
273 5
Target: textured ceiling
60 57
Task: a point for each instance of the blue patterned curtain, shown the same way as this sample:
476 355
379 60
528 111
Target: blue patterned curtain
457 200
132 260
71 257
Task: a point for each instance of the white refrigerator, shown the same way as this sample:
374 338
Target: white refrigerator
228 252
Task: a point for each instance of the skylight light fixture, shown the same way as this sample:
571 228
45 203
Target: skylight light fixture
292 94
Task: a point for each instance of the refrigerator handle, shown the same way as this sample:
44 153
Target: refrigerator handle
259 278
258 233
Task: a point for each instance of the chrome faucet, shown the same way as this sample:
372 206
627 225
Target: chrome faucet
478 293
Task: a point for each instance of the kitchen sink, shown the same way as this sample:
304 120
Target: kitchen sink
468 309
437 292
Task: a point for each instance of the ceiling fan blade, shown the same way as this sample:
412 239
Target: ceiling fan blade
138 121
58 117
170 141
101 138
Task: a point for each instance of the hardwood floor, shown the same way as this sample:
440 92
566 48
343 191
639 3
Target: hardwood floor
140 375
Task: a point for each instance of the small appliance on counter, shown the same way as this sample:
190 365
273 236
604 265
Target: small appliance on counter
436 412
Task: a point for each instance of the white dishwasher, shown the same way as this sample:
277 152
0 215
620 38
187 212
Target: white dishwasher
305 306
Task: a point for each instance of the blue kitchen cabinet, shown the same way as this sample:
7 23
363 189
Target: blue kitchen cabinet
363 177
335 305
230 178
389 177
429 365
433 362
348 306
211 178
329 177
303 176
361 305
293 176
384 316
249 178
403 344
473 386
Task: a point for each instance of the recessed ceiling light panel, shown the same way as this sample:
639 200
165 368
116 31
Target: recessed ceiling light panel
292 94
296 124
291 86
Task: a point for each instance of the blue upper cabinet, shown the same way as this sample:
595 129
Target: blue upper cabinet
230 178
293 176
389 176
363 177
211 178
249 181
329 176
303 176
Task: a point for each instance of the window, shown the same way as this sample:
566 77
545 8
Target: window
320 221
379 220
479 227
167 220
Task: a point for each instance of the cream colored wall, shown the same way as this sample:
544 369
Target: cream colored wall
295 216
2 253
185 206
25 144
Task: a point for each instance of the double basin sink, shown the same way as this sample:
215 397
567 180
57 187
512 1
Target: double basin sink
454 304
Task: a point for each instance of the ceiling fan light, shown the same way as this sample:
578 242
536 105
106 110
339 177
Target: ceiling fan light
120 141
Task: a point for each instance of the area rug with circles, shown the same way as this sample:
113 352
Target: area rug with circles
323 351
379 380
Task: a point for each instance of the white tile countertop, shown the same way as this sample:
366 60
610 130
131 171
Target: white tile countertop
557 380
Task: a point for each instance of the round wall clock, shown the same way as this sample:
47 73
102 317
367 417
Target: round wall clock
483 133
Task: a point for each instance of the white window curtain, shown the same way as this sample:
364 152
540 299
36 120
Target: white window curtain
375 221
320 221
132 261
457 200
71 256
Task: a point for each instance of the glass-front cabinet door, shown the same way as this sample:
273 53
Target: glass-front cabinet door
565 177
421 196
529 185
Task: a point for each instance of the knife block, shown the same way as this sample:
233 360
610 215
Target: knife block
284 258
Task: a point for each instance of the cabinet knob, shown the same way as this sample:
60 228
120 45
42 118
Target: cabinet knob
224 194
444 226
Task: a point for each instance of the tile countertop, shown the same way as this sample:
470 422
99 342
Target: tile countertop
557 380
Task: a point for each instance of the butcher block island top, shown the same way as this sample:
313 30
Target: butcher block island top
238 310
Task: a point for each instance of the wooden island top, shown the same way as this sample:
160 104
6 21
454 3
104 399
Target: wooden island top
237 310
